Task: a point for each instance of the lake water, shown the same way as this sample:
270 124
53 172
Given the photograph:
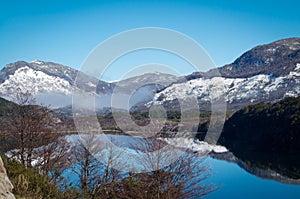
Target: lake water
235 182
232 180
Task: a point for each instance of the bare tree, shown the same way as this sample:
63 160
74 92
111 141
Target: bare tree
32 139
54 159
86 166
28 126
94 165
109 183
181 179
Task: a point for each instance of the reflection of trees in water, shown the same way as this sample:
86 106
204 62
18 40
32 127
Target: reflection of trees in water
181 179
256 168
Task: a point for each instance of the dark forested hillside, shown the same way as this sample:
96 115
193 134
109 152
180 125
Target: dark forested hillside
266 133
4 105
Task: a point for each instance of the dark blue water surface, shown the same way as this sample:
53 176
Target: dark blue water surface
234 182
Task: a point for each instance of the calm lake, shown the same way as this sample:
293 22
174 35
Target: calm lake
233 180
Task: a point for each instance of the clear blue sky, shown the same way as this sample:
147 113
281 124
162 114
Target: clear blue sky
65 31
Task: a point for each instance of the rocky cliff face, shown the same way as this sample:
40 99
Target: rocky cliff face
5 184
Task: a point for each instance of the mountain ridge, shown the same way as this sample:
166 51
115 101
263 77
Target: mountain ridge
38 77
268 72
273 66
287 49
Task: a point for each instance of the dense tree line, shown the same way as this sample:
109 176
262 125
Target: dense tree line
267 134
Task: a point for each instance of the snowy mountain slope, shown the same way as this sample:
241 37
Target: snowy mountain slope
267 72
48 82
39 76
53 84
237 90
26 79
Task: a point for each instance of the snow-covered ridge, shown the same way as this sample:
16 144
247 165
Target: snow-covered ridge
256 88
26 79
39 78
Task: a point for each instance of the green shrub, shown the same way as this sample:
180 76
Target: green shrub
28 183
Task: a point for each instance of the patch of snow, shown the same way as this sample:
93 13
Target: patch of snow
91 84
293 47
269 60
37 62
114 81
271 50
195 145
296 71
297 66
37 158
290 94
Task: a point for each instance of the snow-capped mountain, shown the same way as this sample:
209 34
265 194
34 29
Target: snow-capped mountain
34 81
53 84
45 77
277 59
265 73
238 91
48 82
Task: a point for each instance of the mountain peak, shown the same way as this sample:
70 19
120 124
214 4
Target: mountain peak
37 61
45 80
49 68
276 58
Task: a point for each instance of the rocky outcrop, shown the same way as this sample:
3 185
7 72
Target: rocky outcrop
5 184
